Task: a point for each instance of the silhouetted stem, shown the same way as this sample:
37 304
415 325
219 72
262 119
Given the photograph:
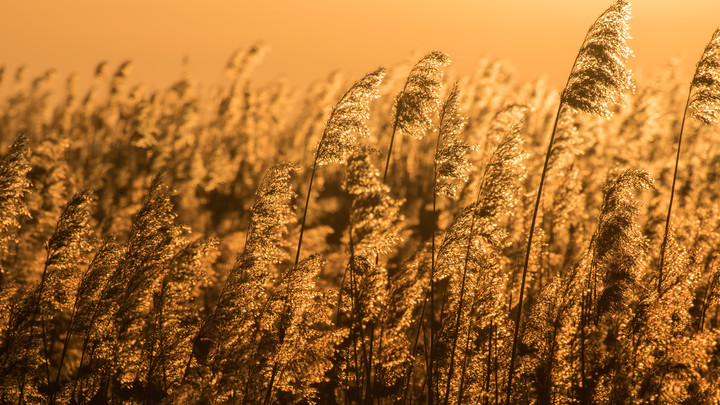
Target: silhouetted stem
518 318
411 355
663 246
460 302
305 211
390 148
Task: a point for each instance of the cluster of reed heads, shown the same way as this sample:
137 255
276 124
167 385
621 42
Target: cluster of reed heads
409 238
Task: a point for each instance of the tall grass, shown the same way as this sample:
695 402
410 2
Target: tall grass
154 249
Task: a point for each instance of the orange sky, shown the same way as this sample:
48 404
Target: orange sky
311 38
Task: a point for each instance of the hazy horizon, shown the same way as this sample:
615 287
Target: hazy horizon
539 40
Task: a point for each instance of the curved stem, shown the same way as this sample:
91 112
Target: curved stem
432 272
387 161
511 368
462 295
305 211
66 343
663 246
411 355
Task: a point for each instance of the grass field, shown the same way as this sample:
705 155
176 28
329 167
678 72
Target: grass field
402 237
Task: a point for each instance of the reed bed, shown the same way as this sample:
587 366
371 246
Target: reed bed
247 243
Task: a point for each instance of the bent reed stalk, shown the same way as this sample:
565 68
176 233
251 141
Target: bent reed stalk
597 83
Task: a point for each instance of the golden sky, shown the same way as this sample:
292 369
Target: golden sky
311 38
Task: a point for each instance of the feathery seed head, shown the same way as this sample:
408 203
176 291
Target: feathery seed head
270 214
67 247
244 60
348 118
124 69
106 260
14 167
451 158
705 102
505 172
476 224
600 77
619 247
374 213
419 98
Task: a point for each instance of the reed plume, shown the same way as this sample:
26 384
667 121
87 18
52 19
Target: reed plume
347 118
618 247
217 347
599 78
66 251
127 297
451 162
85 312
374 213
373 230
596 84
175 316
704 102
450 167
14 168
416 103
473 243
296 342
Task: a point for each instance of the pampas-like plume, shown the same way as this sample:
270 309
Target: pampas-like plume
418 100
548 329
705 103
451 162
374 214
599 78
297 338
347 117
618 247
66 250
240 303
175 313
704 100
498 194
374 219
416 103
154 237
596 85
87 305
270 215
473 243
618 251
14 168
450 166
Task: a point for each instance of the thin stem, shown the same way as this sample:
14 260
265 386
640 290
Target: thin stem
663 246
432 270
368 370
460 303
66 343
268 394
411 355
489 365
516 334
387 161
305 210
